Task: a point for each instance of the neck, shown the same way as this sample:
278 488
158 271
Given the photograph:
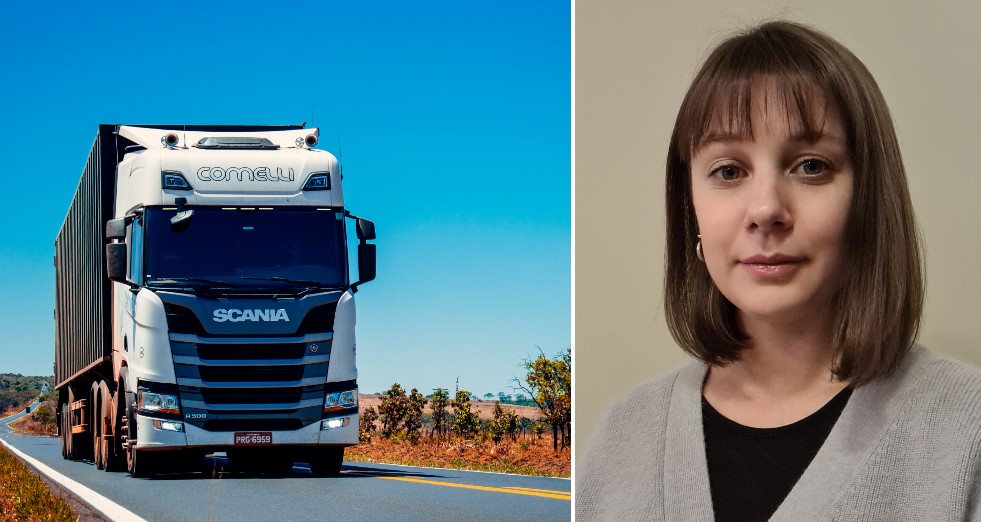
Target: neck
783 376
785 357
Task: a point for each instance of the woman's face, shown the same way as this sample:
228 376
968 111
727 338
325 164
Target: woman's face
772 210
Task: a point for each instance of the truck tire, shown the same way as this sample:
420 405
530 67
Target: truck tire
111 450
138 463
73 441
65 431
327 461
95 425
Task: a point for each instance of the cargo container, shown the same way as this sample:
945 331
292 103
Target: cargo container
203 301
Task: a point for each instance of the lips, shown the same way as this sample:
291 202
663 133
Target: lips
771 265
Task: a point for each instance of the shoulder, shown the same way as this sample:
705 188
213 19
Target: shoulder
923 431
930 408
944 386
626 453
646 404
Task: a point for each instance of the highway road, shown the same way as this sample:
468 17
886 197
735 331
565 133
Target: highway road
362 492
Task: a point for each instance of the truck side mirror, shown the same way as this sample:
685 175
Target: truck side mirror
116 228
366 230
366 262
366 251
116 262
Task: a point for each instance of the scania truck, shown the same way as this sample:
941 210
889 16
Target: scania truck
204 301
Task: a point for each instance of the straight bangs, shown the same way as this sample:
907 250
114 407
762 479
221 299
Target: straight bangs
723 99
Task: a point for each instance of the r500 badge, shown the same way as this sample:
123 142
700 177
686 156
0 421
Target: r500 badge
253 438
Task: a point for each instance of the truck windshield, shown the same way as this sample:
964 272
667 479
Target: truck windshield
246 247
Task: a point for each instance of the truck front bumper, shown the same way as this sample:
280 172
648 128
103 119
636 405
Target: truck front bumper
150 437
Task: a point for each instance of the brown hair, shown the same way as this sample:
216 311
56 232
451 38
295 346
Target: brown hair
875 315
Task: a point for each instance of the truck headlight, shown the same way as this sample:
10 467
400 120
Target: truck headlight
341 400
158 402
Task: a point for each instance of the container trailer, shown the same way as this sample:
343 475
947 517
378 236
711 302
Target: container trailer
204 303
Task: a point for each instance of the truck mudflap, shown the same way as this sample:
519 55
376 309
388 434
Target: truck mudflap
151 436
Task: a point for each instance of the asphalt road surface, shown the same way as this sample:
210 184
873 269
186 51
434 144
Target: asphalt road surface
362 492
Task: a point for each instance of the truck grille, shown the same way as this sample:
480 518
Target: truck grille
252 383
253 425
258 352
250 373
246 396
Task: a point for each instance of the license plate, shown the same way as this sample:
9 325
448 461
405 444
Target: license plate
253 438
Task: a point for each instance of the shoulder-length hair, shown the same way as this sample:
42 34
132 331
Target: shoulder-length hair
875 314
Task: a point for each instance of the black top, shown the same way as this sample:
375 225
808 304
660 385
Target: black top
751 470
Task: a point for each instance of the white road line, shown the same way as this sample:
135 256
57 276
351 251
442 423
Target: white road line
108 508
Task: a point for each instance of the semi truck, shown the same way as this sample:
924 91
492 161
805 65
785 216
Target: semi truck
204 301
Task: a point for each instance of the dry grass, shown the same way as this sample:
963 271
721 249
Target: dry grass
525 457
23 496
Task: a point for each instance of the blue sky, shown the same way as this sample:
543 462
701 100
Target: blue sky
453 117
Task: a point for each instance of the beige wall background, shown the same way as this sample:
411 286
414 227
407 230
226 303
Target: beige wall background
634 60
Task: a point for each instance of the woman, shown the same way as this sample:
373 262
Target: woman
794 277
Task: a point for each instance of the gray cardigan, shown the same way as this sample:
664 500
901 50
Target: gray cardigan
905 448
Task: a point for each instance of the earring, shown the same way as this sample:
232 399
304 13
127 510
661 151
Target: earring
698 249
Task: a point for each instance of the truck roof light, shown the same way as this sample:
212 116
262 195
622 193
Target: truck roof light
229 142
170 139
318 181
309 141
171 179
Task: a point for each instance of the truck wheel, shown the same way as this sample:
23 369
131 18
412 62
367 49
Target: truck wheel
65 431
138 463
96 424
73 441
326 462
111 452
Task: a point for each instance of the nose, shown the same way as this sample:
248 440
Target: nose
768 208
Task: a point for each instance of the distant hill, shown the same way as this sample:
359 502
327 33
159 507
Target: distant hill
17 391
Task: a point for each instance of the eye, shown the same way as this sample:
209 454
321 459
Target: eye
726 172
812 167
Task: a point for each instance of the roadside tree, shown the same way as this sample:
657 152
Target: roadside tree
504 424
466 422
367 425
393 410
549 383
437 407
413 415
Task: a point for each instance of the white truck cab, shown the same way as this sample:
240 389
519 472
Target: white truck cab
231 314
